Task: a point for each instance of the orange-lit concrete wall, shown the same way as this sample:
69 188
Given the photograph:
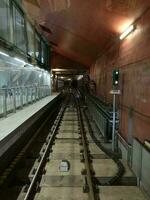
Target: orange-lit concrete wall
132 56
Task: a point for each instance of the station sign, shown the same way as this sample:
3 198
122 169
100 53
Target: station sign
115 92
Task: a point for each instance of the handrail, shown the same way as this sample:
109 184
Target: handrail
101 108
15 97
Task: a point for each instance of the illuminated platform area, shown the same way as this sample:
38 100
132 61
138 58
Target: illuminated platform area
13 121
12 127
74 100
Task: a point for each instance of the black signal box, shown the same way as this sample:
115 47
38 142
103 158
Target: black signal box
115 77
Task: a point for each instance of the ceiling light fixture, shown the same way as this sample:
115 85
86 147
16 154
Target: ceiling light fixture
130 29
80 77
44 28
4 54
19 60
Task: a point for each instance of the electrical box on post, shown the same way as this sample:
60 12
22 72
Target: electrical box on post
115 77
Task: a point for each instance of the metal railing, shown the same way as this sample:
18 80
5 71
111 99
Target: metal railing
15 98
102 115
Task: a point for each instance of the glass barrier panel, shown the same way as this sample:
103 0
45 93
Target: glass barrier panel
37 47
19 29
30 34
5 19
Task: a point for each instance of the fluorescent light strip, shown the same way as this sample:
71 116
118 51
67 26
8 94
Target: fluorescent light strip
80 77
127 32
19 60
12 63
29 65
4 54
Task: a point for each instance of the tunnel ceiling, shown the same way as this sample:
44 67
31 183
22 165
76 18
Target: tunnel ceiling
82 29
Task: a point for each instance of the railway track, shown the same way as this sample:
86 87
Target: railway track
68 161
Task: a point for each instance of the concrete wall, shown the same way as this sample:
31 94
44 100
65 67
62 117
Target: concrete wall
132 56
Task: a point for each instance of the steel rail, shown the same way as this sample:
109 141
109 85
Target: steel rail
110 154
86 157
22 152
51 137
92 195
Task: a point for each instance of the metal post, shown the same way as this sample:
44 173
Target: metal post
27 95
39 92
14 100
41 89
114 123
21 97
36 93
5 102
116 141
44 91
31 91
56 83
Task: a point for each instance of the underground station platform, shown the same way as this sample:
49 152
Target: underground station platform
61 154
74 100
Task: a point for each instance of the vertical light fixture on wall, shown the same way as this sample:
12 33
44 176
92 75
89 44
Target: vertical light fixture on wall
4 54
129 30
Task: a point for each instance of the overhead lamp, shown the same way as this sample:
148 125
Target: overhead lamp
4 54
29 65
19 60
12 63
130 29
80 77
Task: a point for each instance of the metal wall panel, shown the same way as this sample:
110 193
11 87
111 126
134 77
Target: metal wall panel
140 162
137 158
145 170
124 151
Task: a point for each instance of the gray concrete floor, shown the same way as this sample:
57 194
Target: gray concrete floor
56 185
61 193
64 185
